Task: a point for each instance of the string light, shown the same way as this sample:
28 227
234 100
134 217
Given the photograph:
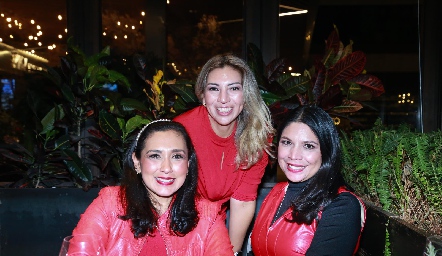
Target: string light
405 98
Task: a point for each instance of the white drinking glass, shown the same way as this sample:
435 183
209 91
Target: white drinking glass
82 245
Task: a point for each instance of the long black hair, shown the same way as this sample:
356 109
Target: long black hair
139 209
324 185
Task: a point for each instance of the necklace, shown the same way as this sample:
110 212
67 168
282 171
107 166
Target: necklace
279 208
280 205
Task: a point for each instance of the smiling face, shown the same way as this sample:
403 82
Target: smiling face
164 165
299 152
224 99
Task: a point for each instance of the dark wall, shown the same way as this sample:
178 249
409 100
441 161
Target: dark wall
35 221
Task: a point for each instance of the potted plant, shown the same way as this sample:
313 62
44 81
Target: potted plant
337 82
77 144
398 173
80 140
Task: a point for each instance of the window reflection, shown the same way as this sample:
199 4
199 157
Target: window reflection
37 27
7 92
386 32
198 30
123 27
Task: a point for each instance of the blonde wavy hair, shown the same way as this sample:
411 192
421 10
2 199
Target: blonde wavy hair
254 124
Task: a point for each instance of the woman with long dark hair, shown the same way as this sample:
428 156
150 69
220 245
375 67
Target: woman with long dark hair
155 211
314 212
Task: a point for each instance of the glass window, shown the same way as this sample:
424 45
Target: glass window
386 32
123 27
34 27
198 30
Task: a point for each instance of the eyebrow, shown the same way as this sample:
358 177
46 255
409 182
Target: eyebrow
307 141
160 151
234 83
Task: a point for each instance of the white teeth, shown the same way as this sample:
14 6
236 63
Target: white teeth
165 180
224 110
295 167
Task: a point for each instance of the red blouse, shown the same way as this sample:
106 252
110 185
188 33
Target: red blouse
284 237
218 178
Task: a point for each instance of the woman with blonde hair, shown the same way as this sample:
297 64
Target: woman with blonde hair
232 133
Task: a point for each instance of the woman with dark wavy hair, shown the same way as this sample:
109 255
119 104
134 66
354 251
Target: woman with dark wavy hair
314 212
155 211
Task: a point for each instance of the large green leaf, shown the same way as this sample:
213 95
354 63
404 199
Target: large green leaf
53 115
109 125
113 97
186 91
296 84
76 167
269 98
180 106
97 76
116 77
129 104
135 122
94 59
63 142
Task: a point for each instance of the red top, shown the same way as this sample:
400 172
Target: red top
289 238
209 237
219 179
154 245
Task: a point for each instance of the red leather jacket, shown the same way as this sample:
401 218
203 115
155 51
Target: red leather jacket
210 236
283 237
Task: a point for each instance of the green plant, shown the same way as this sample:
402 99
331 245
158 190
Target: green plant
399 170
337 83
81 140
430 250
387 251
166 101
